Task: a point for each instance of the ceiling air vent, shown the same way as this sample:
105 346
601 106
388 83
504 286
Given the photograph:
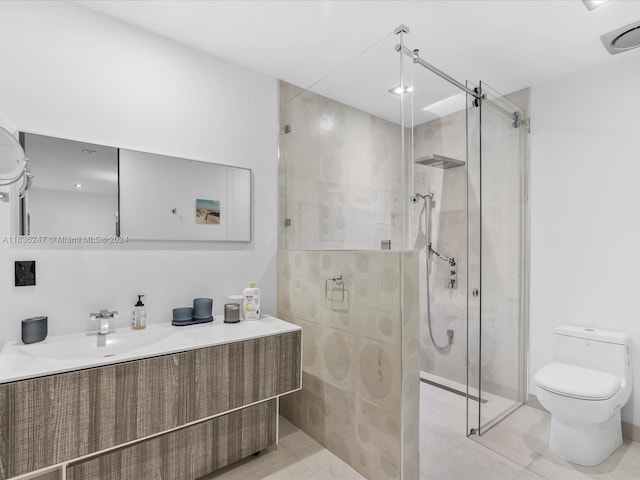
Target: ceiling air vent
622 39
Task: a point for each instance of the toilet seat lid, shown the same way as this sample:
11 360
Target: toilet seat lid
577 382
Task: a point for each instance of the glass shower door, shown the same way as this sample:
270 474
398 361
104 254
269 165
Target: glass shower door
497 242
473 261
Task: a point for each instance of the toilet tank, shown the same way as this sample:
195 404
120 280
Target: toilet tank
603 350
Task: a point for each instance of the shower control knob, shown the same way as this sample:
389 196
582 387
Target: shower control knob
475 292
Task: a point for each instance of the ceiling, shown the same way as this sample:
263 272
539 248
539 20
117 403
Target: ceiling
59 164
511 44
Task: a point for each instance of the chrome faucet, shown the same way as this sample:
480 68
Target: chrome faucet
103 317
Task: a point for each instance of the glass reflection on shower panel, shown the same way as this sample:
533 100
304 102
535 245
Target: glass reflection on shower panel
502 256
340 157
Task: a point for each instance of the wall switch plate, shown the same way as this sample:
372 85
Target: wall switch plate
25 273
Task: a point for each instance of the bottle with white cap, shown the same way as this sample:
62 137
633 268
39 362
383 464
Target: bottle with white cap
251 302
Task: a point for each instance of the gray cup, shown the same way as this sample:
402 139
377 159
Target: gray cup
231 313
202 307
34 329
183 313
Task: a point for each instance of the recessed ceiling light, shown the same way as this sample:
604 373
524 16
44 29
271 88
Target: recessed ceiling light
79 185
86 150
591 4
398 90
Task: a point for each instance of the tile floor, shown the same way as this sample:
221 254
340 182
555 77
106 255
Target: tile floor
297 457
516 449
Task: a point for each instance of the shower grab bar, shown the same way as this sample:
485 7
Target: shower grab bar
337 279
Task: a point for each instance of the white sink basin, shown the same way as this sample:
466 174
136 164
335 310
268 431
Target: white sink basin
93 346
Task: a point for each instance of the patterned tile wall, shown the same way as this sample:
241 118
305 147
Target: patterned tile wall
339 175
353 385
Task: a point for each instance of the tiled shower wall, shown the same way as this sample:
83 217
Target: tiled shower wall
353 366
444 136
339 175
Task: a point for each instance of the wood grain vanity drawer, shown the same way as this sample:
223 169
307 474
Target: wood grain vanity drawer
188 453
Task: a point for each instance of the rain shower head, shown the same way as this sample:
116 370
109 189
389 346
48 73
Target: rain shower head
439 161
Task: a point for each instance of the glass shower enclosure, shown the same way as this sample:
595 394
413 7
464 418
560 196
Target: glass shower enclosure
468 163
402 247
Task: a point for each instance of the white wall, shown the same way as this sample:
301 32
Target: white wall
62 212
585 232
71 73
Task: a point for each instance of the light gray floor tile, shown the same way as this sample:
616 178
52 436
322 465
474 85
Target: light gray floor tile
624 463
282 470
528 475
449 456
627 458
297 457
520 437
519 441
246 467
287 471
285 427
326 465
292 438
439 407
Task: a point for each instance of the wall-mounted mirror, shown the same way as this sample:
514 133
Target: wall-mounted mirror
169 198
74 190
86 189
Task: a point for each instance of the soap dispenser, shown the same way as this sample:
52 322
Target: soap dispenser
139 316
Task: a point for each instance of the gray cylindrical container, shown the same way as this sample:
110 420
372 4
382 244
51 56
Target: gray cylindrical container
34 329
202 308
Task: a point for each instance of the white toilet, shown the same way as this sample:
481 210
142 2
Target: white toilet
584 389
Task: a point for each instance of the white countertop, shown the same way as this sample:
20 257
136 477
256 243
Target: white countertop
65 353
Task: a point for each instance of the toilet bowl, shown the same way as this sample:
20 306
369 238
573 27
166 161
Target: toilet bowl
584 389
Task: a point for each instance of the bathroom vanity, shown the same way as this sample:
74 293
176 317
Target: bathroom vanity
194 399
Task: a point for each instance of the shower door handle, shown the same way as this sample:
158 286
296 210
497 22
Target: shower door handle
475 292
